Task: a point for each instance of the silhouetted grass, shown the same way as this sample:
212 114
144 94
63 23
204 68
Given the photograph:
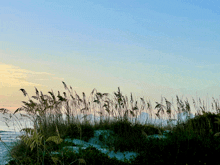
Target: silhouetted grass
187 144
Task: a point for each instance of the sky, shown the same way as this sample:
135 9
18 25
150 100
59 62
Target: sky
151 49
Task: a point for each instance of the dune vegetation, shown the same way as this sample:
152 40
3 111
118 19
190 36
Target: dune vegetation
192 142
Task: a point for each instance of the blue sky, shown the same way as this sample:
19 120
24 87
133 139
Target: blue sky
149 48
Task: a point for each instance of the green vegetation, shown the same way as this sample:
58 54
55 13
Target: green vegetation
190 143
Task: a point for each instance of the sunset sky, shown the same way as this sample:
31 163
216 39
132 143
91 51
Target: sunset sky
147 48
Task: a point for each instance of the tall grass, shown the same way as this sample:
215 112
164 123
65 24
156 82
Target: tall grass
183 146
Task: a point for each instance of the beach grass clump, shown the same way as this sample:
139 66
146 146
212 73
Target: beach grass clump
189 143
208 123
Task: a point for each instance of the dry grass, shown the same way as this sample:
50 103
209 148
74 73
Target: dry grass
184 146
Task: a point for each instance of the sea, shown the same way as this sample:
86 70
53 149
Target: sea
9 138
9 134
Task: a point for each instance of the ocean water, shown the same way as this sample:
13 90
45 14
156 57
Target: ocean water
9 134
8 137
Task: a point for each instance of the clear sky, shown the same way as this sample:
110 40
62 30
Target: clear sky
150 48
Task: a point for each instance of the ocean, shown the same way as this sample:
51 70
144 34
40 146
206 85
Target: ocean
8 137
9 134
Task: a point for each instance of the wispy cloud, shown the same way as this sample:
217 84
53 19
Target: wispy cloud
15 77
